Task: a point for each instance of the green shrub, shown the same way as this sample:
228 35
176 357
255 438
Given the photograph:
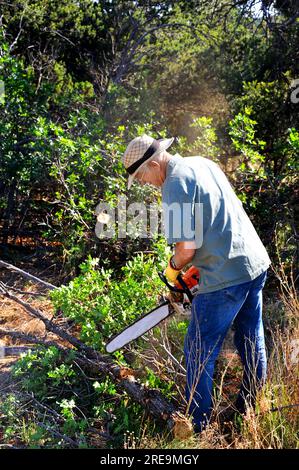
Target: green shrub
103 304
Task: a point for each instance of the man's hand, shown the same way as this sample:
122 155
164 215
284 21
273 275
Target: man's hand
171 273
184 253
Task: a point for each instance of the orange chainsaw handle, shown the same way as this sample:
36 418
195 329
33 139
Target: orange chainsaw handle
191 277
173 288
185 289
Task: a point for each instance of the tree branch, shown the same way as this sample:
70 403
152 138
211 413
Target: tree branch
28 338
25 274
90 359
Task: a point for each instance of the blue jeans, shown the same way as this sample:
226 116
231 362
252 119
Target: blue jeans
212 315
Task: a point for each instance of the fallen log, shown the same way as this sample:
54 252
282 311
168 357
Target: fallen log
151 399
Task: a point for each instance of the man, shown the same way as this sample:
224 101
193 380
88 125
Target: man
232 260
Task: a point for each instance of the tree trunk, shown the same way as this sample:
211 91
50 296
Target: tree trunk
8 215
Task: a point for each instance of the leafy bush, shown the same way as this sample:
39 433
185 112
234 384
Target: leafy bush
102 304
72 405
45 371
266 189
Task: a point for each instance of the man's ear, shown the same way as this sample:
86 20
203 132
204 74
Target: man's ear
154 165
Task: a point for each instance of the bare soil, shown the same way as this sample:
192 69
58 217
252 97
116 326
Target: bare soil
15 317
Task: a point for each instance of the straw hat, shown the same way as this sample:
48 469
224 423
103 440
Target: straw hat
140 151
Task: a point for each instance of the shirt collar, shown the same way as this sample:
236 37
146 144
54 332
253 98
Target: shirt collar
172 162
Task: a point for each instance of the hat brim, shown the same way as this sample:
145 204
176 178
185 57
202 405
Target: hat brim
163 145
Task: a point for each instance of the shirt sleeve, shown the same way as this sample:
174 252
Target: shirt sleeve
178 205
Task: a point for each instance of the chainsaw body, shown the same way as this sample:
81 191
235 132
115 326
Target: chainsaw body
183 291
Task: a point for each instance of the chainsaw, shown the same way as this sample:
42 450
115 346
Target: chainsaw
178 301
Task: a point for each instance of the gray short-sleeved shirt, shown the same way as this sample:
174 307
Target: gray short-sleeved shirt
198 199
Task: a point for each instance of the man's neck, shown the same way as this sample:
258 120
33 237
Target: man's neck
164 163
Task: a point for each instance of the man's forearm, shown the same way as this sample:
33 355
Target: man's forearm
183 254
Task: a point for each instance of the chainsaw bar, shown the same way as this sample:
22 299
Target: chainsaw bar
139 327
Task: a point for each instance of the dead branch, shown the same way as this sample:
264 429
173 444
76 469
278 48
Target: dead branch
58 434
89 359
25 274
50 326
50 413
23 292
42 407
28 338
13 350
169 354
279 408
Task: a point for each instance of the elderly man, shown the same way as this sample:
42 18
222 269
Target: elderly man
231 258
